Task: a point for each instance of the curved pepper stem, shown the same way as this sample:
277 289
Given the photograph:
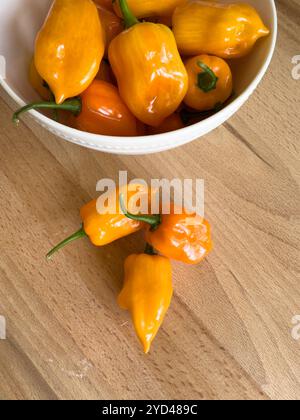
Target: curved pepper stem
72 105
153 220
77 235
207 80
129 18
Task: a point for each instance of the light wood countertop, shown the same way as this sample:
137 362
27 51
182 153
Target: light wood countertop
228 334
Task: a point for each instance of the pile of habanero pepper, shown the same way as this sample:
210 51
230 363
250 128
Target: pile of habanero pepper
147 292
137 67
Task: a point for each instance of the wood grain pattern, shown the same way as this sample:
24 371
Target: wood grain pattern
228 333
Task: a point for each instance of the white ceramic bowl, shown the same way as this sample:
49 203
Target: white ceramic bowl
21 19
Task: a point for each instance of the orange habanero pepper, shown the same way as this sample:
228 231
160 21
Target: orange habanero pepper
224 30
210 82
148 8
98 110
102 228
69 47
181 237
147 294
150 73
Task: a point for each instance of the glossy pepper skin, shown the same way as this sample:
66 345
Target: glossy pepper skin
210 82
69 47
104 112
103 227
181 237
224 30
150 73
98 110
147 294
148 8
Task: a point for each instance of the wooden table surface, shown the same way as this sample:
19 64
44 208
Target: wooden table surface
228 334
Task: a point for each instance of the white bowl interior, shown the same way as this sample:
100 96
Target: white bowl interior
20 21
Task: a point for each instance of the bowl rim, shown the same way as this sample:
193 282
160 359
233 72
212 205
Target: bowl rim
156 142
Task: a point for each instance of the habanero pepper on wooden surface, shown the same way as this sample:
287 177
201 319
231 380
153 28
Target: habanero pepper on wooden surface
181 237
147 293
151 76
98 110
103 227
69 47
210 82
224 30
148 8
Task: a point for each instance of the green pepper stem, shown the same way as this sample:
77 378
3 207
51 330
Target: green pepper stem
149 250
73 105
52 98
129 18
77 235
153 220
55 111
207 79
